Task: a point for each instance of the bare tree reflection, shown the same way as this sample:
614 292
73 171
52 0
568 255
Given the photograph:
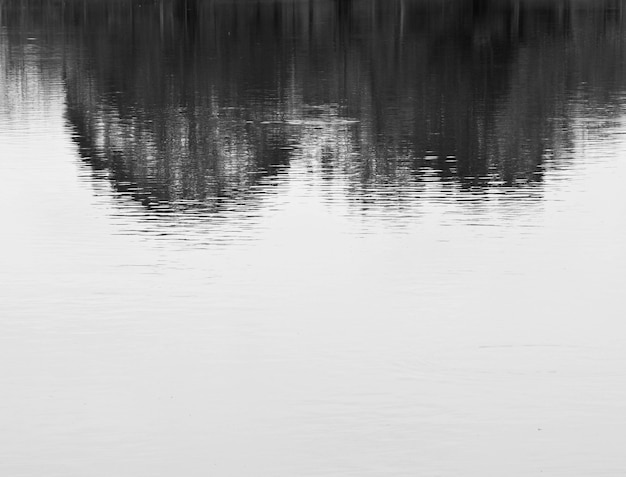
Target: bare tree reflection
192 100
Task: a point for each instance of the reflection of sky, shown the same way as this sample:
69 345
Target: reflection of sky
466 329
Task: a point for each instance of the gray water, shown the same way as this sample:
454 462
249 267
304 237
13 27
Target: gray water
296 238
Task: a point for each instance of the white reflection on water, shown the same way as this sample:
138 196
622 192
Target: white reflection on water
307 335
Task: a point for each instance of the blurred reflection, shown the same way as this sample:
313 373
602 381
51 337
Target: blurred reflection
193 101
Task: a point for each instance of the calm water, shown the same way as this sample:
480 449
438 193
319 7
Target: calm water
312 238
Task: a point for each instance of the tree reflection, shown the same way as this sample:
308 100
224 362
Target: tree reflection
194 100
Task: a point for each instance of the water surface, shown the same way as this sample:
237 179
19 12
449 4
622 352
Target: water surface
312 238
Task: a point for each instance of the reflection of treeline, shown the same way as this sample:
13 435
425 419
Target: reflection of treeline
193 98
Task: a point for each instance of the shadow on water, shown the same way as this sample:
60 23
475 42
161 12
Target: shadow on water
198 101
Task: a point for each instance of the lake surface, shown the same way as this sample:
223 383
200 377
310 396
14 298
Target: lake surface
312 238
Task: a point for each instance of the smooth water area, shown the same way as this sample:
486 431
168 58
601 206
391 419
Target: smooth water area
306 238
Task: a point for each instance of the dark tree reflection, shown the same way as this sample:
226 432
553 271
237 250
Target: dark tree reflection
200 99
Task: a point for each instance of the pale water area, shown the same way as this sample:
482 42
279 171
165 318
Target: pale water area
330 238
